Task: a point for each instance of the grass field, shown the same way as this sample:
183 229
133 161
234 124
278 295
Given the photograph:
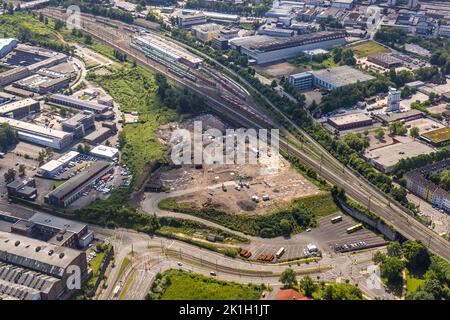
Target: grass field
188 286
368 47
134 89
412 283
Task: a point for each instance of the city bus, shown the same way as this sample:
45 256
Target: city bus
336 219
280 252
356 227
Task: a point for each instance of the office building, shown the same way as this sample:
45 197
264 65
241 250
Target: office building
79 124
219 43
393 100
206 32
418 183
185 20
301 81
98 136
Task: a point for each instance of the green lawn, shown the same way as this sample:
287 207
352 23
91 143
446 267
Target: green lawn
135 90
412 283
366 48
188 286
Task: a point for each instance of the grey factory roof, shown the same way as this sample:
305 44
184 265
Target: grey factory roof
34 128
35 254
74 183
342 76
77 118
16 105
267 43
57 222
350 118
84 104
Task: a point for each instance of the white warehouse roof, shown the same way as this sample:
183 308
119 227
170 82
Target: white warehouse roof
104 152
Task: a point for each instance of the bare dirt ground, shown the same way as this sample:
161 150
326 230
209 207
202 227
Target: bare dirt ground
232 186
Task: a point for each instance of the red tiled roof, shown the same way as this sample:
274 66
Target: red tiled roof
290 294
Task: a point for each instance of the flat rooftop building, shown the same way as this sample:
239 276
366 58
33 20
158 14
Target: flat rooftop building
39 135
338 77
399 116
437 137
105 152
80 104
20 108
72 189
79 124
385 158
266 49
350 121
385 60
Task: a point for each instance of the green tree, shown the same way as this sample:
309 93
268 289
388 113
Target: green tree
394 249
416 254
397 128
10 175
286 227
288 278
379 133
22 168
379 257
414 132
392 268
307 285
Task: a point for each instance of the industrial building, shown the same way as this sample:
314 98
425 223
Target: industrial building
19 109
79 124
385 158
335 78
106 100
42 84
417 183
384 60
302 81
274 31
7 45
350 121
437 137
23 189
39 135
229 33
31 269
409 115
79 104
105 152
98 136
46 227
72 189
220 43
265 49
51 167
167 51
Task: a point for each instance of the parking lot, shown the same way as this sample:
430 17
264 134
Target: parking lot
326 237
